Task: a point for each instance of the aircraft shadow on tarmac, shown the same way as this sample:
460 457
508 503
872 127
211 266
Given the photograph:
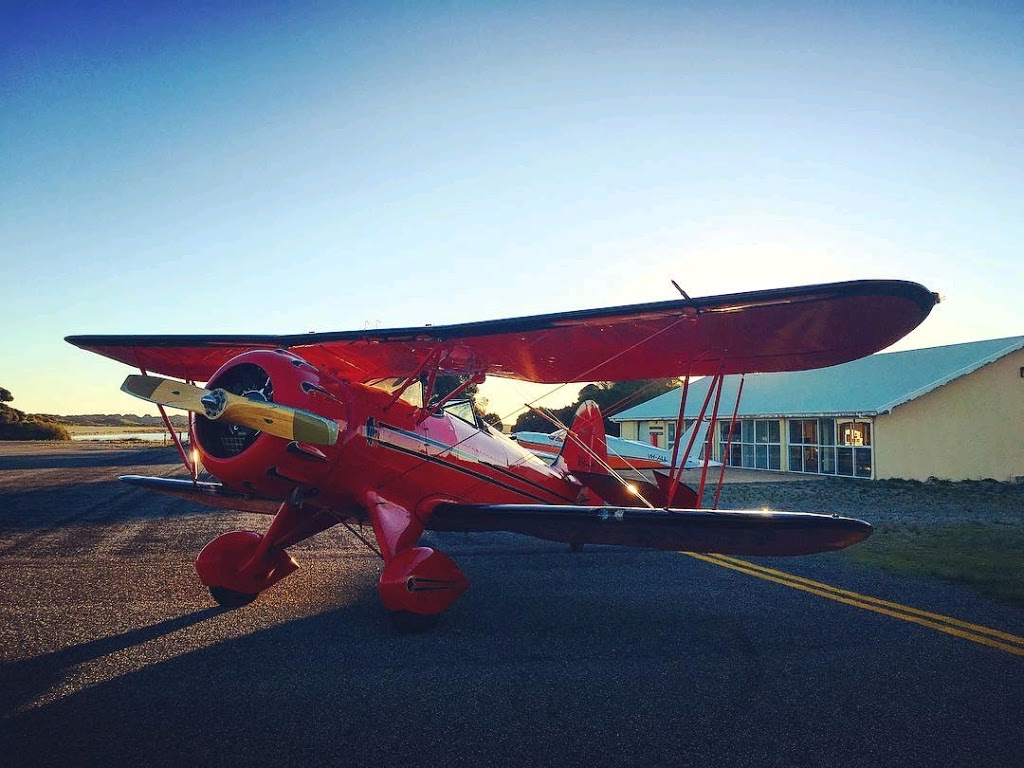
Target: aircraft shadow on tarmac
22 681
344 684
561 661
76 459
101 501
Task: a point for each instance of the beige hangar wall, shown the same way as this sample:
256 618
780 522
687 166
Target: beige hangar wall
969 429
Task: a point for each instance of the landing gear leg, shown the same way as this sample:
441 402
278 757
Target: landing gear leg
417 583
237 566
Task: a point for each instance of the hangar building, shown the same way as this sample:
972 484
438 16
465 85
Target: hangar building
954 412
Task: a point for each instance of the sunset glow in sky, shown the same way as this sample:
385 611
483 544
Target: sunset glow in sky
284 167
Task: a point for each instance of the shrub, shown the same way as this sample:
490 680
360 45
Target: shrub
33 430
15 425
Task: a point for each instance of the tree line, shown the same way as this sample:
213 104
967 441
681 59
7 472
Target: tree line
611 396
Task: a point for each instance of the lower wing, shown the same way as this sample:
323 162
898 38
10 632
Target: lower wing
741 532
210 494
736 532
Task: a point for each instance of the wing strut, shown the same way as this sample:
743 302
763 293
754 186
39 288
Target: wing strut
192 473
434 356
728 443
680 422
711 430
676 473
436 408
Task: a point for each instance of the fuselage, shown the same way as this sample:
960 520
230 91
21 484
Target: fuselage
416 459
411 456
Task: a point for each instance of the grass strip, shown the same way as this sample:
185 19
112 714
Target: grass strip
984 557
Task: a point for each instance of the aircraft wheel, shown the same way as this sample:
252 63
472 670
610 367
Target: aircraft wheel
408 623
230 598
576 546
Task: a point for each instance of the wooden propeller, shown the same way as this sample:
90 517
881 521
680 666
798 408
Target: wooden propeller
280 420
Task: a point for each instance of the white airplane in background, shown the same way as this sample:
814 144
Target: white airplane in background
623 453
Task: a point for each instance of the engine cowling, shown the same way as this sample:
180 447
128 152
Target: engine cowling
249 460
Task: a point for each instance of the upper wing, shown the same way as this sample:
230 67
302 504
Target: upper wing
776 330
690 530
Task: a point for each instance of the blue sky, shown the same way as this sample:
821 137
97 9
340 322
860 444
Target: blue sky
261 167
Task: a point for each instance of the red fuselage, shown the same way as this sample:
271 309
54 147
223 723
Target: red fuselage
386 446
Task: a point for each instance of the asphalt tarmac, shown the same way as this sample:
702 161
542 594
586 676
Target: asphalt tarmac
111 652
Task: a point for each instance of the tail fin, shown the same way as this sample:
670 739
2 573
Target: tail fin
692 460
585 455
585 448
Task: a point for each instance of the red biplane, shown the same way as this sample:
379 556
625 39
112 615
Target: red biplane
326 428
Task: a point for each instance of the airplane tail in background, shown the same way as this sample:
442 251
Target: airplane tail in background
585 455
693 460
586 448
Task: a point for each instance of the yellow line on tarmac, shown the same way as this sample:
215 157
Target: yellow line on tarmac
877 601
993 638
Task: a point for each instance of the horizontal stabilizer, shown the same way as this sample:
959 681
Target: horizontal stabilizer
684 495
624 493
272 418
745 532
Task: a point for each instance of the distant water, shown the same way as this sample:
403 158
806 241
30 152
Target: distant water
147 436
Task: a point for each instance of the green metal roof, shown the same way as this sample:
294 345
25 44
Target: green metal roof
869 386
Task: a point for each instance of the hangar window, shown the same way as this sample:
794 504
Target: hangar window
756 444
854 433
823 447
670 431
803 431
735 457
854 454
827 454
805 451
